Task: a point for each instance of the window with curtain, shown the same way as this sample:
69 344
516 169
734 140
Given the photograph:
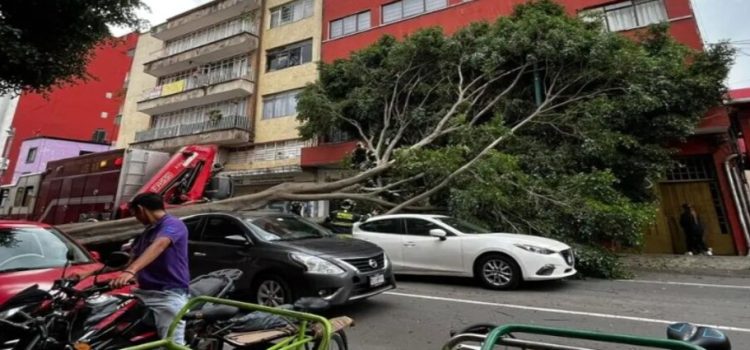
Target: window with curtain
349 25
280 105
628 15
291 12
408 8
289 56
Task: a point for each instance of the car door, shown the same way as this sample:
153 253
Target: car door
224 244
387 234
431 255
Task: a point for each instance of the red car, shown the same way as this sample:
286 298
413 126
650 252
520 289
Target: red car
35 253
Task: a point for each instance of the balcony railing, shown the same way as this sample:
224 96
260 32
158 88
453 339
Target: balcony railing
205 37
195 81
197 14
225 123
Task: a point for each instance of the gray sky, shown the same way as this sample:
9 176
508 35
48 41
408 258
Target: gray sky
727 20
718 20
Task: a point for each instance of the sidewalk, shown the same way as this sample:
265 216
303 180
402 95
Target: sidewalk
738 266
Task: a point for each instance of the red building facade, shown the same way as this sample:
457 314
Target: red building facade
701 177
85 111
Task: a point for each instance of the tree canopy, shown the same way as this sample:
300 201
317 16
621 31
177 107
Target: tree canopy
49 43
537 123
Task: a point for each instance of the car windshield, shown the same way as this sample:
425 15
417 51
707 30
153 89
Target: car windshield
35 248
463 226
287 228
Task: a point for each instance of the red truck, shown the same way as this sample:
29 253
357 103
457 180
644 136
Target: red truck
97 186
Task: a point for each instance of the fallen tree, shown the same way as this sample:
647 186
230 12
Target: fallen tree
538 123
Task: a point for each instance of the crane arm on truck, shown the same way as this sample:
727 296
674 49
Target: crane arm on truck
185 177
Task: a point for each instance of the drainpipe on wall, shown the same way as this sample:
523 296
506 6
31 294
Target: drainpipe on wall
741 208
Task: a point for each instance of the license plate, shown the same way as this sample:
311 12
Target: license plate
377 280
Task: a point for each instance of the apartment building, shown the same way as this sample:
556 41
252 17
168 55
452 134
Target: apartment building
193 79
228 73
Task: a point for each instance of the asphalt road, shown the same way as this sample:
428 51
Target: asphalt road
421 312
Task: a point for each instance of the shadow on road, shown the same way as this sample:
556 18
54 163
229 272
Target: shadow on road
538 286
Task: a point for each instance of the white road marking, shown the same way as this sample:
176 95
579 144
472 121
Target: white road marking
559 311
725 286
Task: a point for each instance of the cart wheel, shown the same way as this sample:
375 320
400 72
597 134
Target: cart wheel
338 342
271 291
497 271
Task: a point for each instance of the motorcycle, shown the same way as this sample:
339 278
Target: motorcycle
47 320
209 326
126 321
680 336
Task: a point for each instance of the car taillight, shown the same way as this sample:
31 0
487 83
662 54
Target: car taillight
118 162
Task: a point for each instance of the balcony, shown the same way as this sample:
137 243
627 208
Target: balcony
191 92
213 12
232 130
326 154
242 42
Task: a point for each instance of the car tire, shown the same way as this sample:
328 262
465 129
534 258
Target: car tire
498 272
272 291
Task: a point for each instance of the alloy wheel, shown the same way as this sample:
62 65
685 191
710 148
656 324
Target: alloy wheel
271 293
497 272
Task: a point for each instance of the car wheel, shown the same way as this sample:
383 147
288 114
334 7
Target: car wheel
498 271
271 291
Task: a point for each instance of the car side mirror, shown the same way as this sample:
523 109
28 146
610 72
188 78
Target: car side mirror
117 260
439 233
237 240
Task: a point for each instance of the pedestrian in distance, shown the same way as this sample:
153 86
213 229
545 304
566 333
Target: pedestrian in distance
693 229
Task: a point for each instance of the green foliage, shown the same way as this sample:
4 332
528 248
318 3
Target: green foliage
579 171
599 263
49 43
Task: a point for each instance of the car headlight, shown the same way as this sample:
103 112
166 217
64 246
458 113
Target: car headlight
10 312
315 264
535 249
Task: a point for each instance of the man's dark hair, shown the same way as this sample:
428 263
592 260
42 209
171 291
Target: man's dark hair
148 201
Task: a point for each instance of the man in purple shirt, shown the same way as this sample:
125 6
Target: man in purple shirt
160 263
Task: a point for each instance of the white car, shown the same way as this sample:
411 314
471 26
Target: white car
445 246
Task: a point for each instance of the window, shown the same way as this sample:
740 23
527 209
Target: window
99 136
19 197
291 12
218 229
419 227
350 24
407 8
280 105
43 249
28 193
393 226
289 56
286 228
31 156
4 194
628 14
193 226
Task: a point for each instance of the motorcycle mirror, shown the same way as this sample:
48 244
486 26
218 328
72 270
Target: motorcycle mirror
69 255
117 260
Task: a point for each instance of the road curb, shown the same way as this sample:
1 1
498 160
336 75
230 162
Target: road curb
724 266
